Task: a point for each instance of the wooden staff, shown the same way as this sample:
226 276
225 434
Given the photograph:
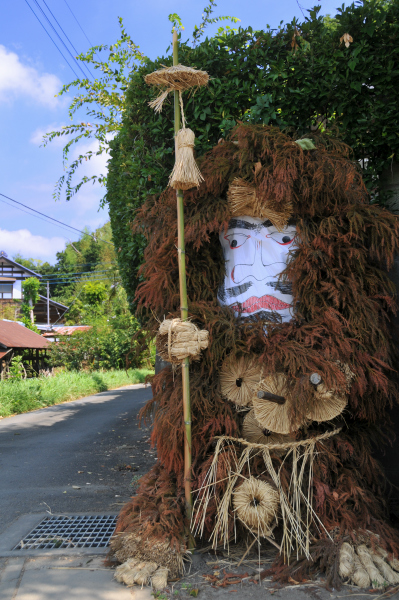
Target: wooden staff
183 309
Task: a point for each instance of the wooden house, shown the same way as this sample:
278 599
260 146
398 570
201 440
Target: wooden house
15 339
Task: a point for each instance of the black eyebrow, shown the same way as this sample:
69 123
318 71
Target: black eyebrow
237 290
240 224
279 286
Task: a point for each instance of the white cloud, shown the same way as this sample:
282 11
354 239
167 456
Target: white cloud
18 79
58 142
29 245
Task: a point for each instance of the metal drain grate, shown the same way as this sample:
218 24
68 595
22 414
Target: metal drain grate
70 532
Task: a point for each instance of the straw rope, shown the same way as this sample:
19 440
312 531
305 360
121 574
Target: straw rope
284 445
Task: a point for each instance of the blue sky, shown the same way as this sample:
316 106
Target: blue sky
32 71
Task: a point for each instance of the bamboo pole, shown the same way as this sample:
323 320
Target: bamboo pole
183 309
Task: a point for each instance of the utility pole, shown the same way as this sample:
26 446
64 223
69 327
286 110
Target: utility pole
48 305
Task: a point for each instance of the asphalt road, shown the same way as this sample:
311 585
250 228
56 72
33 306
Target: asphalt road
93 444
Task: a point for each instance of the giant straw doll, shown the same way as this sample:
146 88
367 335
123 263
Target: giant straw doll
287 266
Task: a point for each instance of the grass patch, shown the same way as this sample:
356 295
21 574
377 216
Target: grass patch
30 394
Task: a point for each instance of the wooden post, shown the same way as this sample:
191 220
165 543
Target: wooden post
183 307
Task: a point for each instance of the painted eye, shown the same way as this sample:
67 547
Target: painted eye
236 240
286 239
282 240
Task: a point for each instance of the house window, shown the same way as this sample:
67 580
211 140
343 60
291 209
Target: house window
5 290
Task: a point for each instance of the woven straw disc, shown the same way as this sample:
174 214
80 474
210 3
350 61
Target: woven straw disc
326 405
238 379
256 504
253 432
272 416
178 77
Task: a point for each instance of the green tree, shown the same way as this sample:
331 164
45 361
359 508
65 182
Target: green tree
30 291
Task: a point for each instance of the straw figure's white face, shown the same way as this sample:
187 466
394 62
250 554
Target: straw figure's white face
255 254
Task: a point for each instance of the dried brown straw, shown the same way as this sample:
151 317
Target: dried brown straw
243 200
185 174
239 377
256 504
253 432
177 340
272 416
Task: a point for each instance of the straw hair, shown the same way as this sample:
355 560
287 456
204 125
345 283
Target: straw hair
177 77
160 579
243 200
272 416
253 432
177 340
185 174
256 504
238 379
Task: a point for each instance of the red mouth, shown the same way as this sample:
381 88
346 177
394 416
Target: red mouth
253 304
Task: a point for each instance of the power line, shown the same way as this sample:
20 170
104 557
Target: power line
56 220
48 275
62 282
91 44
59 37
55 19
72 69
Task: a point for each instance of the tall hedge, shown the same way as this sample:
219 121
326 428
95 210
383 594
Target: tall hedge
301 76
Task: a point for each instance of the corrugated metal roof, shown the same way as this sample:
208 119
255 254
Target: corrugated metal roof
13 335
66 330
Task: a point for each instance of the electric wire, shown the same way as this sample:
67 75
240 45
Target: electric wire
60 275
72 69
55 220
60 38
84 33
55 19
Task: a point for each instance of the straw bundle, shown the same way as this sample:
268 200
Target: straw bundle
149 550
360 576
185 174
388 574
238 379
160 579
253 432
177 340
134 571
272 416
377 581
346 560
244 201
256 504
394 562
